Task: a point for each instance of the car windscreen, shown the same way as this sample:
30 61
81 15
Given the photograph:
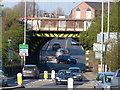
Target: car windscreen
75 70
118 74
108 78
29 68
64 73
68 56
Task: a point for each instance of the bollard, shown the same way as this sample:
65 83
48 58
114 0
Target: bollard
19 78
53 74
45 75
70 83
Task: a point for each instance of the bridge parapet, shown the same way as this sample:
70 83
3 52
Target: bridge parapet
57 24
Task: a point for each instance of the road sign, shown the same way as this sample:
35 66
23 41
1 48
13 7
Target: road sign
98 47
23 49
23 46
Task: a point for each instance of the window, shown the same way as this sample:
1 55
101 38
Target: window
99 77
88 14
118 75
78 13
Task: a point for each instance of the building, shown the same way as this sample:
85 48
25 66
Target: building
87 10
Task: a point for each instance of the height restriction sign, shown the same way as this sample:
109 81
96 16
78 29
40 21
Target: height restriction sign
23 49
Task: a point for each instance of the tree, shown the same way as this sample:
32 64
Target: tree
32 9
58 12
112 58
90 36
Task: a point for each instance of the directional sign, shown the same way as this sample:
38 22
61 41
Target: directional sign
23 46
23 49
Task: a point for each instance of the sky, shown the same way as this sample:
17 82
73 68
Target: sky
50 5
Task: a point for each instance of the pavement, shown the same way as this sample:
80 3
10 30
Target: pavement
90 76
12 87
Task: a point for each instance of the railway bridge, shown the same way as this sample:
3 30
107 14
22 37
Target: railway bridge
41 30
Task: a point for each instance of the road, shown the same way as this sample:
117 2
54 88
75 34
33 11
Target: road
75 50
88 82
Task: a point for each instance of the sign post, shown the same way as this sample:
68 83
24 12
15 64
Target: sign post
23 50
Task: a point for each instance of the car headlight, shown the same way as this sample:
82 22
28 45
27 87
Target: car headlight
68 59
107 86
79 75
57 78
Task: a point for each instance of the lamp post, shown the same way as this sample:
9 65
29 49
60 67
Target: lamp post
10 54
25 21
102 36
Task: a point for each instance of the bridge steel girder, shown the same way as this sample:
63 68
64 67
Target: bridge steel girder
56 34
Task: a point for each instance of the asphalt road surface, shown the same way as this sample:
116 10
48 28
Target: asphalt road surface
76 51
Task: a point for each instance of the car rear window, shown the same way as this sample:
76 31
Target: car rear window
56 44
29 68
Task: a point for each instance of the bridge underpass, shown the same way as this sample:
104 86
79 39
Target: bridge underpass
41 30
39 39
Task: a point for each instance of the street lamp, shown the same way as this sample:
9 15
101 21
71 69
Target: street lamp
25 21
10 52
102 36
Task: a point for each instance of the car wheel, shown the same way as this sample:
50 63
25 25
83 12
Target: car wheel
66 62
81 79
58 61
6 84
75 62
57 83
37 77
94 88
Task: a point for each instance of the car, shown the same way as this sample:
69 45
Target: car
62 51
3 79
115 82
61 38
30 71
76 73
43 58
73 42
66 59
62 76
56 46
103 80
